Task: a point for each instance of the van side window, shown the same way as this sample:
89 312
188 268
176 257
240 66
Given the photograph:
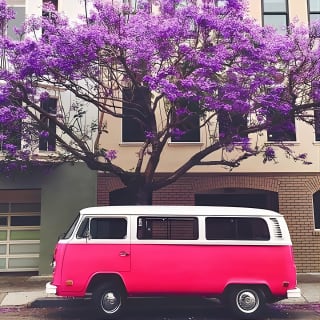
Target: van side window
83 231
167 228
233 228
103 228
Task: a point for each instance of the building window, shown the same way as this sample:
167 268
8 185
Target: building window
234 228
232 124
316 209
282 129
50 14
53 2
317 124
12 131
20 14
275 14
187 119
167 228
132 4
47 136
314 10
135 109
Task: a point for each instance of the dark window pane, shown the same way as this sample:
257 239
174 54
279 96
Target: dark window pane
191 130
316 209
283 127
4 207
231 124
12 130
135 110
26 207
188 123
220 229
3 221
235 228
25 221
48 142
83 231
252 229
167 228
317 124
108 228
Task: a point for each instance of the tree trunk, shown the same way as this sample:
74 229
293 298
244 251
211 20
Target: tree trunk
138 195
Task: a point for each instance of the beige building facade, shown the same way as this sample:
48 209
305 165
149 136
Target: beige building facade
285 185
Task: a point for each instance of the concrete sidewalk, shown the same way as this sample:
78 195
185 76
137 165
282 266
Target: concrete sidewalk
17 290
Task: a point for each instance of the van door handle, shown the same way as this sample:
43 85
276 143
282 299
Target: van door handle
124 254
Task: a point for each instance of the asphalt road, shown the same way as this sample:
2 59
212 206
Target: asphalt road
159 309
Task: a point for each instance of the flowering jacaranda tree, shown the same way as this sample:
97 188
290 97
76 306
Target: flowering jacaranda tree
188 60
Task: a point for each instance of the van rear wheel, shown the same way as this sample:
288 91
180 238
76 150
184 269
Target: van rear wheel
246 302
109 300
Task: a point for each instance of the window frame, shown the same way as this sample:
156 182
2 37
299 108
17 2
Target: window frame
316 209
145 233
129 97
237 230
84 230
233 118
191 120
13 23
317 125
275 13
50 141
291 136
311 12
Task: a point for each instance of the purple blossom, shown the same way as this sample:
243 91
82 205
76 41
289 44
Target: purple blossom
303 156
11 149
149 135
269 155
177 133
110 155
182 112
44 96
242 68
44 134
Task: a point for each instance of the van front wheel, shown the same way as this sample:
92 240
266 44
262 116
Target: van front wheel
246 302
109 299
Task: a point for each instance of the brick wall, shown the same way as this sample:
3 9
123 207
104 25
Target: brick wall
295 193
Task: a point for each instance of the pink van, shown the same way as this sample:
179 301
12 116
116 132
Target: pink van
242 256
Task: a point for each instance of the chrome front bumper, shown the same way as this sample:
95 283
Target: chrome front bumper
294 293
50 288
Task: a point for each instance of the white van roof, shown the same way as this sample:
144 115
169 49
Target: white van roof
178 211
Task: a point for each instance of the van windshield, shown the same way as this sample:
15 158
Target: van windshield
68 234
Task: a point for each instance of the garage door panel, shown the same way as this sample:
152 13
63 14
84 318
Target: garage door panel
24 248
23 263
19 230
25 235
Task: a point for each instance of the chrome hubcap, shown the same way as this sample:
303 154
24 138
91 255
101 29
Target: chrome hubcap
247 301
110 302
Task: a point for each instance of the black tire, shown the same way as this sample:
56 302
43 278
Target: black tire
246 302
109 300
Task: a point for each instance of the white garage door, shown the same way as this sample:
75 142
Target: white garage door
19 230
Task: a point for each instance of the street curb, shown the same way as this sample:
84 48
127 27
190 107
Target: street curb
54 302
